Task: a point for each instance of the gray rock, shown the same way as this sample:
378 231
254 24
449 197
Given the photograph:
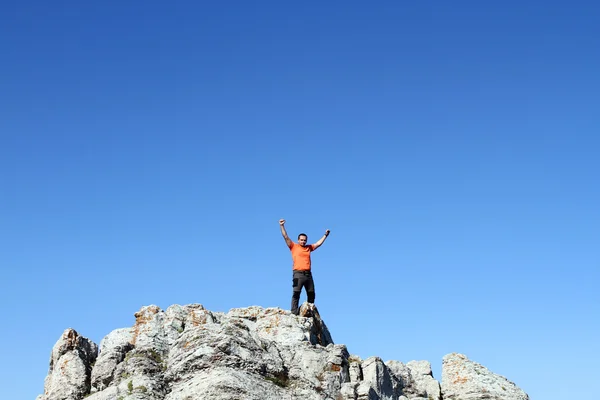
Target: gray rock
190 353
425 384
355 369
225 383
463 379
408 385
113 350
319 332
70 367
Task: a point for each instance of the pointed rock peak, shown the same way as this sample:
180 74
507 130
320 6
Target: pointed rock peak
70 335
69 341
466 379
70 367
319 332
146 313
143 317
309 310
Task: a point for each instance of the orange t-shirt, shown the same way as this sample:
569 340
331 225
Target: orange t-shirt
301 256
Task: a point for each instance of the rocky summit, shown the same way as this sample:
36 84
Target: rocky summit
189 353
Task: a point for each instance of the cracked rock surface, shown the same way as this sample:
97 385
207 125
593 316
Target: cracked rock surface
190 353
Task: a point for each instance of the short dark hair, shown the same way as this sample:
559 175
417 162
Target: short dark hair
303 234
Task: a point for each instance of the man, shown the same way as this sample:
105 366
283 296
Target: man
302 276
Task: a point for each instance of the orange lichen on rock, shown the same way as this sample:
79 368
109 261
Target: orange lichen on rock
142 317
198 319
64 366
460 379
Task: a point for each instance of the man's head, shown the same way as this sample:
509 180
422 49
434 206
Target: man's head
302 239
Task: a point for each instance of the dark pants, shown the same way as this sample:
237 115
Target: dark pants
302 279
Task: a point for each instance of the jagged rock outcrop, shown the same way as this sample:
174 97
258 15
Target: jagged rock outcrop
463 379
70 367
190 353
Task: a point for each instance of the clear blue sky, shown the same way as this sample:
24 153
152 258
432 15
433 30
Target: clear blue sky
148 151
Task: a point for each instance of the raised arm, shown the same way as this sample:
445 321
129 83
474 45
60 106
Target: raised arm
288 241
322 240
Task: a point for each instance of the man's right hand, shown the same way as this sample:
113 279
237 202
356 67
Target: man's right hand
281 222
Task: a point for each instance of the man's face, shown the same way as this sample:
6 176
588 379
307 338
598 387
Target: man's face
302 240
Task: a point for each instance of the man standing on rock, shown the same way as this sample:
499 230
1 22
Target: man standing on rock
302 276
